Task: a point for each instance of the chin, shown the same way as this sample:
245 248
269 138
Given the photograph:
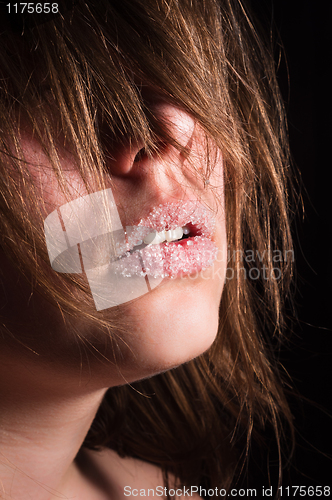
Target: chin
169 326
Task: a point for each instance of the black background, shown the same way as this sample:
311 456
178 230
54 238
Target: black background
305 77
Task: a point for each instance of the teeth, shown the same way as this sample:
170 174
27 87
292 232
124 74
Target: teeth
174 234
155 238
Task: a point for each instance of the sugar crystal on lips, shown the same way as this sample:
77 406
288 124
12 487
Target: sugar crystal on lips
170 259
173 215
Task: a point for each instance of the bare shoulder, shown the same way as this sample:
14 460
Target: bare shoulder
130 477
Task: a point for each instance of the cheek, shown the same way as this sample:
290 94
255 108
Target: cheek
42 180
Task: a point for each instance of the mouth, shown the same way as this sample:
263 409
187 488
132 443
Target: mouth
175 239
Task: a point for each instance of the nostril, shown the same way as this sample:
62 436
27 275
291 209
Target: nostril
139 156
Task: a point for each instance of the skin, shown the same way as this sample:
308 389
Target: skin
50 386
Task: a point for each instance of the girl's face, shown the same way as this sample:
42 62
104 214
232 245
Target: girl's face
178 319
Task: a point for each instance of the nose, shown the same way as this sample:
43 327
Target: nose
177 123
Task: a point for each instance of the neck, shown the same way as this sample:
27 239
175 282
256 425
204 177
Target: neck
43 422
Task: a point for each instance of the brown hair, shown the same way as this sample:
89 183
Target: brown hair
196 421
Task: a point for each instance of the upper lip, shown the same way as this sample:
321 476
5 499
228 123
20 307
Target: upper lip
178 214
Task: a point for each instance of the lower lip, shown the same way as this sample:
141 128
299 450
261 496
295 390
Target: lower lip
172 259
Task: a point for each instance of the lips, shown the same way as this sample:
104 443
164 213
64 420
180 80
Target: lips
195 252
87 235
172 215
